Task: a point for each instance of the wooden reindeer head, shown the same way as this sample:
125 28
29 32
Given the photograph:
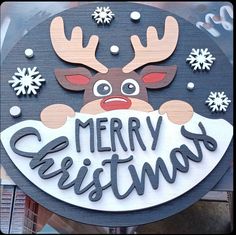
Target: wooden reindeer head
115 88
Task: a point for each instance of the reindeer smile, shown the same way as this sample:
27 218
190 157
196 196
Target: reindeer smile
115 99
115 102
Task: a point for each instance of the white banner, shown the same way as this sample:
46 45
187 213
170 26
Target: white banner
119 160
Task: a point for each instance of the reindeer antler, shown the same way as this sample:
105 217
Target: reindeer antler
72 50
156 50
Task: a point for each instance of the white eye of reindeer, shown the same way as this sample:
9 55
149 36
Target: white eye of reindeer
102 88
130 87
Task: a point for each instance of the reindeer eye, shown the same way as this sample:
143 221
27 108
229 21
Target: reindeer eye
130 87
102 88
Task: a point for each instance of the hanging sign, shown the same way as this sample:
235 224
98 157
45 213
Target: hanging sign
140 129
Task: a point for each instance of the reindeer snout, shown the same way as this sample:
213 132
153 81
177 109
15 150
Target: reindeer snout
115 102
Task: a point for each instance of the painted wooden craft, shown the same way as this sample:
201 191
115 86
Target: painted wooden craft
15 111
119 87
114 137
103 15
29 53
200 59
135 16
72 50
26 81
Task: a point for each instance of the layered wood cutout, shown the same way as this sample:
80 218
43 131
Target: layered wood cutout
55 116
72 50
136 143
103 15
178 111
74 79
100 127
156 77
218 101
104 92
26 81
156 49
200 59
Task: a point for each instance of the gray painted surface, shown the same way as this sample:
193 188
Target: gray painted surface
118 33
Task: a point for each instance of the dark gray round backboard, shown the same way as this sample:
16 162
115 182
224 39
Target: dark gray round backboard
219 78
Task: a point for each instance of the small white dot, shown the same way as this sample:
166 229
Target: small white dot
114 50
135 16
190 86
15 111
29 53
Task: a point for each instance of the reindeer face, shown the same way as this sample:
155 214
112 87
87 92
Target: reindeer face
114 88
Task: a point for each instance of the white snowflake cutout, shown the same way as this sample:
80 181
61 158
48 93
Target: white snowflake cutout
26 81
200 59
103 15
217 101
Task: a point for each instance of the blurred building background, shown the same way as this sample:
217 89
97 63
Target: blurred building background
19 214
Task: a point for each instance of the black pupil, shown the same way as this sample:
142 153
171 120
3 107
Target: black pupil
103 89
129 88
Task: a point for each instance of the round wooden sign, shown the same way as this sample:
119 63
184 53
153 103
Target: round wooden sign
116 116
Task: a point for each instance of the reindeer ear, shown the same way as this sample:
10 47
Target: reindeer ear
76 79
155 77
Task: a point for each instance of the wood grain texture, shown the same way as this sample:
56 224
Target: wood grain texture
72 50
55 116
46 61
63 74
178 111
168 76
156 49
115 79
